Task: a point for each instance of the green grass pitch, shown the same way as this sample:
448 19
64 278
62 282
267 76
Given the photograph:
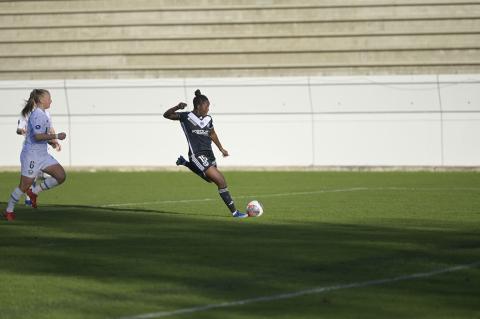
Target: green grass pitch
174 246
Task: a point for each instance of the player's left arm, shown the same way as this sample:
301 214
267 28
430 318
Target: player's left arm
214 137
40 132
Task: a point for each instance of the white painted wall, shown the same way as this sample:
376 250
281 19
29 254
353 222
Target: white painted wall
297 121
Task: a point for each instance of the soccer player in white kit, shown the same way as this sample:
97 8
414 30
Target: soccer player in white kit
34 156
22 126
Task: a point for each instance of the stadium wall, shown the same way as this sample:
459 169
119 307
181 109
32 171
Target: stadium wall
421 120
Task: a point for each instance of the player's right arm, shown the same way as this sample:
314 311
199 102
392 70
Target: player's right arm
21 131
171 112
22 126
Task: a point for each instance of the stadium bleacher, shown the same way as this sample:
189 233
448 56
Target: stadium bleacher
85 39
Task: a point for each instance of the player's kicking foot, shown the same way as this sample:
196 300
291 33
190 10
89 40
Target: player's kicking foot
237 214
10 216
33 197
181 160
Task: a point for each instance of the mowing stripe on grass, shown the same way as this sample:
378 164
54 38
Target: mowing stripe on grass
244 196
354 189
311 291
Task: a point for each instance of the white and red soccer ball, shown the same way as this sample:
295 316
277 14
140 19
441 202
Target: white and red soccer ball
254 209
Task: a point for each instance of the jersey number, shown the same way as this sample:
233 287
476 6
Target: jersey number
204 160
32 164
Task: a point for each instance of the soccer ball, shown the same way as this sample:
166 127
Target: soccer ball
254 209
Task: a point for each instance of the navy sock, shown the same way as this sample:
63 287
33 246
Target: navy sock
227 199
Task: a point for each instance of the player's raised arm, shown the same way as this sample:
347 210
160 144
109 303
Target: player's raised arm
170 113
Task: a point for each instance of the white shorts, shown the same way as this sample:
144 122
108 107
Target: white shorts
33 162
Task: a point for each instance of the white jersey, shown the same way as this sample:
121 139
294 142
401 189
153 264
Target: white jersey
38 123
22 123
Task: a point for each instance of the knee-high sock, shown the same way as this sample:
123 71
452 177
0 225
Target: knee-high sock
195 169
14 198
47 184
227 199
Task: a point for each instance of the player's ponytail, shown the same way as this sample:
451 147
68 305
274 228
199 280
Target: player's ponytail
33 100
199 99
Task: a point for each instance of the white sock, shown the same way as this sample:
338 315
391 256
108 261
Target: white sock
47 184
14 198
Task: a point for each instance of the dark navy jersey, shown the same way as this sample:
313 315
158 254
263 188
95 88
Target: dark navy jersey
197 130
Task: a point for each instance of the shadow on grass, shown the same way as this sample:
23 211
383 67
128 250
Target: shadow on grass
123 261
127 210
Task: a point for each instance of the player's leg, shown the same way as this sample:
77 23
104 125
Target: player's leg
29 169
58 176
41 176
28 201
194 168
217 177
38 179
24 185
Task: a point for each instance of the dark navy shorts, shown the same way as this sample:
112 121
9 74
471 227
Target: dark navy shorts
203 160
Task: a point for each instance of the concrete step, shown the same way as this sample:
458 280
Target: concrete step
242 61
340 70
322 29
165 38
42 7
243 46
246 16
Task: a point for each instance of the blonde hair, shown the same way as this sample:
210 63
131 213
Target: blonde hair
34 99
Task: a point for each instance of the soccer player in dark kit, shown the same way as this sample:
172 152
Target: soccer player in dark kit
199 131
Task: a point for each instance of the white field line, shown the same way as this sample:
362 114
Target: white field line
316 290
244 196
354 189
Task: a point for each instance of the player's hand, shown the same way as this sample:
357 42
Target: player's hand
56 145
181 105
61 136
224 152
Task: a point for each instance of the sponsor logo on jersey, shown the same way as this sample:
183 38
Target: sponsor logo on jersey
201 132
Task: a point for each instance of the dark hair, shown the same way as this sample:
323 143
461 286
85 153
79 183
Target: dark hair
33 100
199 99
